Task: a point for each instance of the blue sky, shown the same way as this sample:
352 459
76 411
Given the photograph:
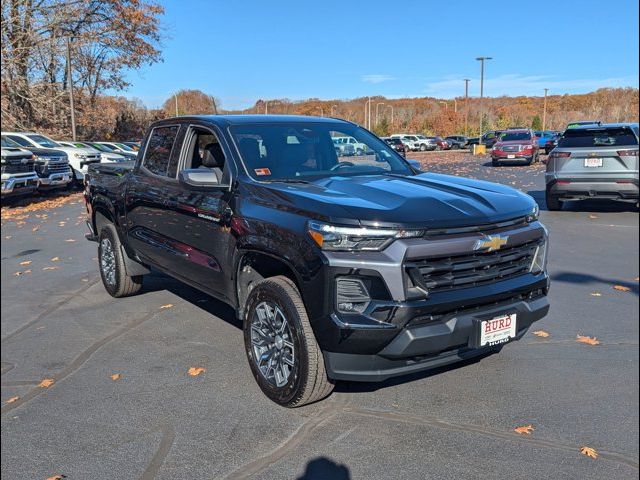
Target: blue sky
242 50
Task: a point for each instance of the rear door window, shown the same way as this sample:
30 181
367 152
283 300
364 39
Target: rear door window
158 152
577 138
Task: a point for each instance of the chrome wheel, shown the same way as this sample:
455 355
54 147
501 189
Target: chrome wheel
272 344
108 261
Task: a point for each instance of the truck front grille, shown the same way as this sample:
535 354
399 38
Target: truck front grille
17 167
511 148
463 271
58 168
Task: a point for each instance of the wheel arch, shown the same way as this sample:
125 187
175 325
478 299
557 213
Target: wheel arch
256 265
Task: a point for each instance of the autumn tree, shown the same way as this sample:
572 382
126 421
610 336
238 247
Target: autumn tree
103 38
190 102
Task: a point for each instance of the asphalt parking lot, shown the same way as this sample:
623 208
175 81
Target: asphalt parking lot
157 421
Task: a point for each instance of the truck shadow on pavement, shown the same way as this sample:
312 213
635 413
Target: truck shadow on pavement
157 281
322 468
587 278
587 206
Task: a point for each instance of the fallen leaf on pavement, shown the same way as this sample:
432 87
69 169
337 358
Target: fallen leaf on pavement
621 288
589 452
541 333
596 294
168 305
50 268
69 240
55 259
57 477
13 399
115 376
587 340
8 237
26 262
36 228
22 273
525 429
593 216
47 382
195 371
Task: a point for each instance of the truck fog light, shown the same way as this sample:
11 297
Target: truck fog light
352 295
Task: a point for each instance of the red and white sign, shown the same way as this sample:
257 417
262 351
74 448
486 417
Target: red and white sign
498 330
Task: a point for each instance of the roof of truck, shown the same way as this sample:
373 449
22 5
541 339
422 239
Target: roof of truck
248 119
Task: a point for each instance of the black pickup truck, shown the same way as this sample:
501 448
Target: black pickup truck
355 267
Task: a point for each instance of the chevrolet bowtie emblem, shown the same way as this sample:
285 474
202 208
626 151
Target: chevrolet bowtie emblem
491 243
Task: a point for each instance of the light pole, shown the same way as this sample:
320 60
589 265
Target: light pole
391 107
266 107
332 107
70 86
378 105
544 111
321 111
466 105
481 60
455 105
175 98
367 114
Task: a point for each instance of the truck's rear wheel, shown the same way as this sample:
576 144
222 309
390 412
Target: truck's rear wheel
112 270
553 203
283 354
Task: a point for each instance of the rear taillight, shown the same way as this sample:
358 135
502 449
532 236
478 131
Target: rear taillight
560 155
628 153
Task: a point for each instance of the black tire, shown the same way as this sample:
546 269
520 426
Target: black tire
455 146
553 202
495 163
307 381
75 182
118 284
423 147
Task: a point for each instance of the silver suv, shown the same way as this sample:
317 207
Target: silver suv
594 161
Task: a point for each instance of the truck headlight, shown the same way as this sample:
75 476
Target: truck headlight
535 213
334 238
539 261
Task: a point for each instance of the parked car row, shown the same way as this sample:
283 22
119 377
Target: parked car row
32 161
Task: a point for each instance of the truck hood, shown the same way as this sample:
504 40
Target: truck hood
46 153
423 201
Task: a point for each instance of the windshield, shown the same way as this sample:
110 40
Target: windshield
8 143
124 147
43 141
102 147
597 138
307 151
515 136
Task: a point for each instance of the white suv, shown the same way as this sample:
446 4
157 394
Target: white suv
415 142
79 158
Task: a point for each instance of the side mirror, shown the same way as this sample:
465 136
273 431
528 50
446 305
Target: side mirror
198 177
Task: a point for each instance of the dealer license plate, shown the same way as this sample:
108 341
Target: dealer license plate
592 162
497 330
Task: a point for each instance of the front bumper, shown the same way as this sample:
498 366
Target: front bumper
19 185
515 157
451 339
604 188
54 180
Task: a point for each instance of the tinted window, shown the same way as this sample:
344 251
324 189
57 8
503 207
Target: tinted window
510 137
7 142
43 141
158 152
21 141
604 137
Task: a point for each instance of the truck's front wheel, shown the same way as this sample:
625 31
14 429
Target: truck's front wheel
284 356
112 270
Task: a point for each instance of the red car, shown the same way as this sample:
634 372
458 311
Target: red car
397 145
519 145
441 143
